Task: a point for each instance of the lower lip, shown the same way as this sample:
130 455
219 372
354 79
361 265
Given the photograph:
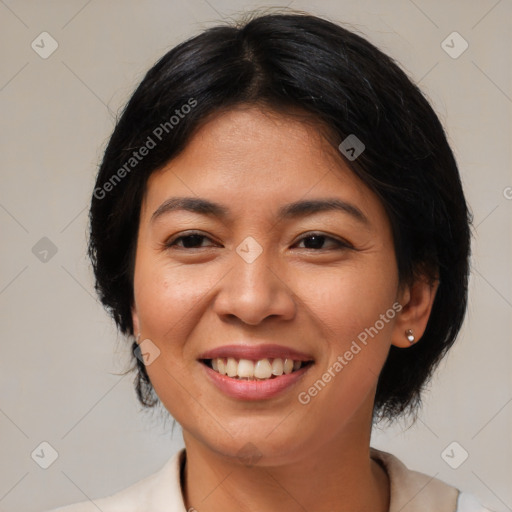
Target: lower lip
254 389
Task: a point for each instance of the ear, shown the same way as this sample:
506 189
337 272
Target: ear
416 300
135 320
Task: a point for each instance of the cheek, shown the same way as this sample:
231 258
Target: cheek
349 300
353 309
169 298
168 295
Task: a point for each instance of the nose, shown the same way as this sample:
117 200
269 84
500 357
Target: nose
255 291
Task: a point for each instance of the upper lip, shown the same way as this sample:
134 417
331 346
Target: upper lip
255 352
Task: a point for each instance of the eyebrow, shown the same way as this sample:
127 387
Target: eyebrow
289 211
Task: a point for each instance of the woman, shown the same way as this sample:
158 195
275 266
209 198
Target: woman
279 223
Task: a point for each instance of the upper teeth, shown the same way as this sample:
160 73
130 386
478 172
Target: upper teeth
261 369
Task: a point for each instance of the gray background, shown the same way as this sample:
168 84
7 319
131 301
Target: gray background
61 357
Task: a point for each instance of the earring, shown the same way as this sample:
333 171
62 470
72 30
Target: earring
137 338
410 336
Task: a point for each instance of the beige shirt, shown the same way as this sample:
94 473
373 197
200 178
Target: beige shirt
161 492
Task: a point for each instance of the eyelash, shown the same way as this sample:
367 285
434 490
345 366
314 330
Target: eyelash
342 244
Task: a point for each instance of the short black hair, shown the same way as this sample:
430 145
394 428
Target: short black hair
288 62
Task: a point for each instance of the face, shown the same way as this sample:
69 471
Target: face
279 252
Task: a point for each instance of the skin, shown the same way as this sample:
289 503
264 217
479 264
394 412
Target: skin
315 298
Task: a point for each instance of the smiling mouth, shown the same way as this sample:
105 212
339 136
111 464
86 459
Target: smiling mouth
261 369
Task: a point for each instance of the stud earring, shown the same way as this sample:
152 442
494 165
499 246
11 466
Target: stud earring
137 338
410 336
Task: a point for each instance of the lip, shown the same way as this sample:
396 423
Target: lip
254 389
255 352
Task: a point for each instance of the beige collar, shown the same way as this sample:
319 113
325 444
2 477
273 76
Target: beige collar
412 491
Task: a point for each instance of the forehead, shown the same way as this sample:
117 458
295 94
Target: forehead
250 159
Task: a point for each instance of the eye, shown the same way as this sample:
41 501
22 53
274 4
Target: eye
190 240
317 241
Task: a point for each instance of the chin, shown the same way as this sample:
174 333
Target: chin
265 444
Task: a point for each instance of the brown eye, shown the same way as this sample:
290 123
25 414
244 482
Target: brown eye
188 241
318 241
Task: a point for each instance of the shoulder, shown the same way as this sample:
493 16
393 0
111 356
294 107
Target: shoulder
159 492
414 491
468 503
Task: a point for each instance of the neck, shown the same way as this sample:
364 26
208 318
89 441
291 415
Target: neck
337 476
